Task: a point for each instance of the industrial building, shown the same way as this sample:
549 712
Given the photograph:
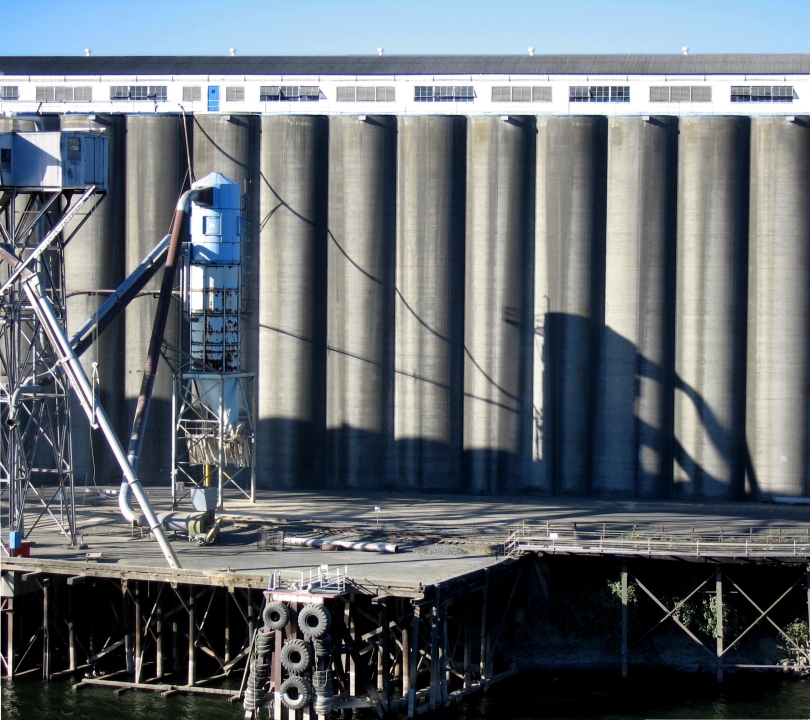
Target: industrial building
473 274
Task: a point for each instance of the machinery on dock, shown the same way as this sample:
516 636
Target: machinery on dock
48 178
213 406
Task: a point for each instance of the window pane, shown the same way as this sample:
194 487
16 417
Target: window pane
680 94
269 92
346 94
578 94
701 94
45 93
119 92
782 94
235 94
423 93
600 94
521 94
620 94
740 93
501 94
541 94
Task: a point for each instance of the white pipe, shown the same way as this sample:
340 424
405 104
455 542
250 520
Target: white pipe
345 544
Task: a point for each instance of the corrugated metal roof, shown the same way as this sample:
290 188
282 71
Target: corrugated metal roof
409 65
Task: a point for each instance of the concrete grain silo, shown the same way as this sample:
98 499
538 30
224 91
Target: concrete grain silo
777 421
360 323
712 277
497 314
431 166
568 297
95 261
634 391
292 302
156 171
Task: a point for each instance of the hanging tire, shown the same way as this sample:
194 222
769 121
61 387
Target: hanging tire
296 656
296 692
276 615
314 620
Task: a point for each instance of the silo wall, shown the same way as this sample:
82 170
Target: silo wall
778 307
292 302
429 302
361 239
497 314
95 261
568 297
712 278
156 168
634 393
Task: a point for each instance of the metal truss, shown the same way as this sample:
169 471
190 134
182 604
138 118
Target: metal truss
36 467
213 420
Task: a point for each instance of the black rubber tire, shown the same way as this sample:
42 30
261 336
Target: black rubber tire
314 620
296 656
264 640
323 646
296 692
276 615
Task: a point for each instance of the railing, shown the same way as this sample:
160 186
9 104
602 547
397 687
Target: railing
661 542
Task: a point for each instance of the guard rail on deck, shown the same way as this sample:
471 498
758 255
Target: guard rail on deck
762 543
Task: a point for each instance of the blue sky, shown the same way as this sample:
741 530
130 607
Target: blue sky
301 27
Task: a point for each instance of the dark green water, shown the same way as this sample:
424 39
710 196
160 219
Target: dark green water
600 696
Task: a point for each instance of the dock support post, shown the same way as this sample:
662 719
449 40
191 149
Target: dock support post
414 661
719 625
46 629
624 620
467 642
10 632
406 655
227 657
138 634
445 647
159 637
71 630
192 631
485 627
386 654
127 628
435 630
175 637
351 669
276 676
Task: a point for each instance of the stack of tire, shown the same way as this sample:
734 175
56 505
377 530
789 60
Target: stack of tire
275 616
316 622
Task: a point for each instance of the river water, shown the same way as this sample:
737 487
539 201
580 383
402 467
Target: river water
594 695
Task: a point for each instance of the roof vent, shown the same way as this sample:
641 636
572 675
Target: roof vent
531 51
87 52
685 50
380 51
233 52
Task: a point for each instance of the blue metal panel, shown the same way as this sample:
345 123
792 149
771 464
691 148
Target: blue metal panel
213 98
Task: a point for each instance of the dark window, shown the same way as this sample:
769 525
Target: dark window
599 93
578 93
156 93
444 93
762 93
289 93
268 93
9 92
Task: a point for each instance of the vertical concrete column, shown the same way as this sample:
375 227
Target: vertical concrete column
634 389
156 173
360 324
777 407
568 296
712 277
292 302
94 262
430 301
497 308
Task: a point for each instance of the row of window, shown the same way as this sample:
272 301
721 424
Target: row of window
156 93
61 93
521 94
599 93
765 93
443 93
429 93
366 94
701 93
